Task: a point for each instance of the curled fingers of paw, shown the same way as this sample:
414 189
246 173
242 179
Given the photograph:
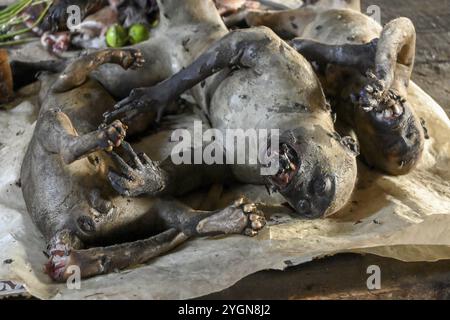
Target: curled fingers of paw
142 162
149 165
131 186
256 219
372 93
120 183
133 59
139 59
132 155
139 101
134 102
112 135
144 176
124 168
256 222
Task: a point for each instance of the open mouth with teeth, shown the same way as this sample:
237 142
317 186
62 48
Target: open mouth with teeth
391 108
289 163
390 113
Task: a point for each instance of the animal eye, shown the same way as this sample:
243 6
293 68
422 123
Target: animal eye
303 206
322 186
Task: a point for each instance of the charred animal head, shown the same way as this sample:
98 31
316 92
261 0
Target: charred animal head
317 171
391 135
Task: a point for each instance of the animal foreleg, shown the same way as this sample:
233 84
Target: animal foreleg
101 260
396 50
361 57
77 72
57 135
237 49
182 223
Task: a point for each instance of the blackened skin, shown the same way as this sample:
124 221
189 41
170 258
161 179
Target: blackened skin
347 45
360 57
392 145
25 72
72 203
325 159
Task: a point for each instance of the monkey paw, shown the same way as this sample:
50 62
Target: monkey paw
242 217
144 176
131 59
112 135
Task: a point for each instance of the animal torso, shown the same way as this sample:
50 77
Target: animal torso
78 195
53 186
278 91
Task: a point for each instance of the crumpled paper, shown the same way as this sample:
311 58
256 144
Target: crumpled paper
406 218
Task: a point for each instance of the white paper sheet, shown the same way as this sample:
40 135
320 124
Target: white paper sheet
406 217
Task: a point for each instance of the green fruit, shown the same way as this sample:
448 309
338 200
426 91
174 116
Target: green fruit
138 33
116 36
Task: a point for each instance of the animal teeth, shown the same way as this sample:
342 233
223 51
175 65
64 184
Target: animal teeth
388 113
110 212
379 115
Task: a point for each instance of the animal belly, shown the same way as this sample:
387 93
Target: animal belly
54 191
253 100
250 107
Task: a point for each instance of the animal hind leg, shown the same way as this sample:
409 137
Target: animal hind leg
25 73
391 56
241 217
65 252
77 72
236 49
357 56
395 55
74 72
65 249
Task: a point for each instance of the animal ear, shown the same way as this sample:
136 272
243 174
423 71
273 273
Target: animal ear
351 145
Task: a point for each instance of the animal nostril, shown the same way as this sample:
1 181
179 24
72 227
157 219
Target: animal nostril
303 207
